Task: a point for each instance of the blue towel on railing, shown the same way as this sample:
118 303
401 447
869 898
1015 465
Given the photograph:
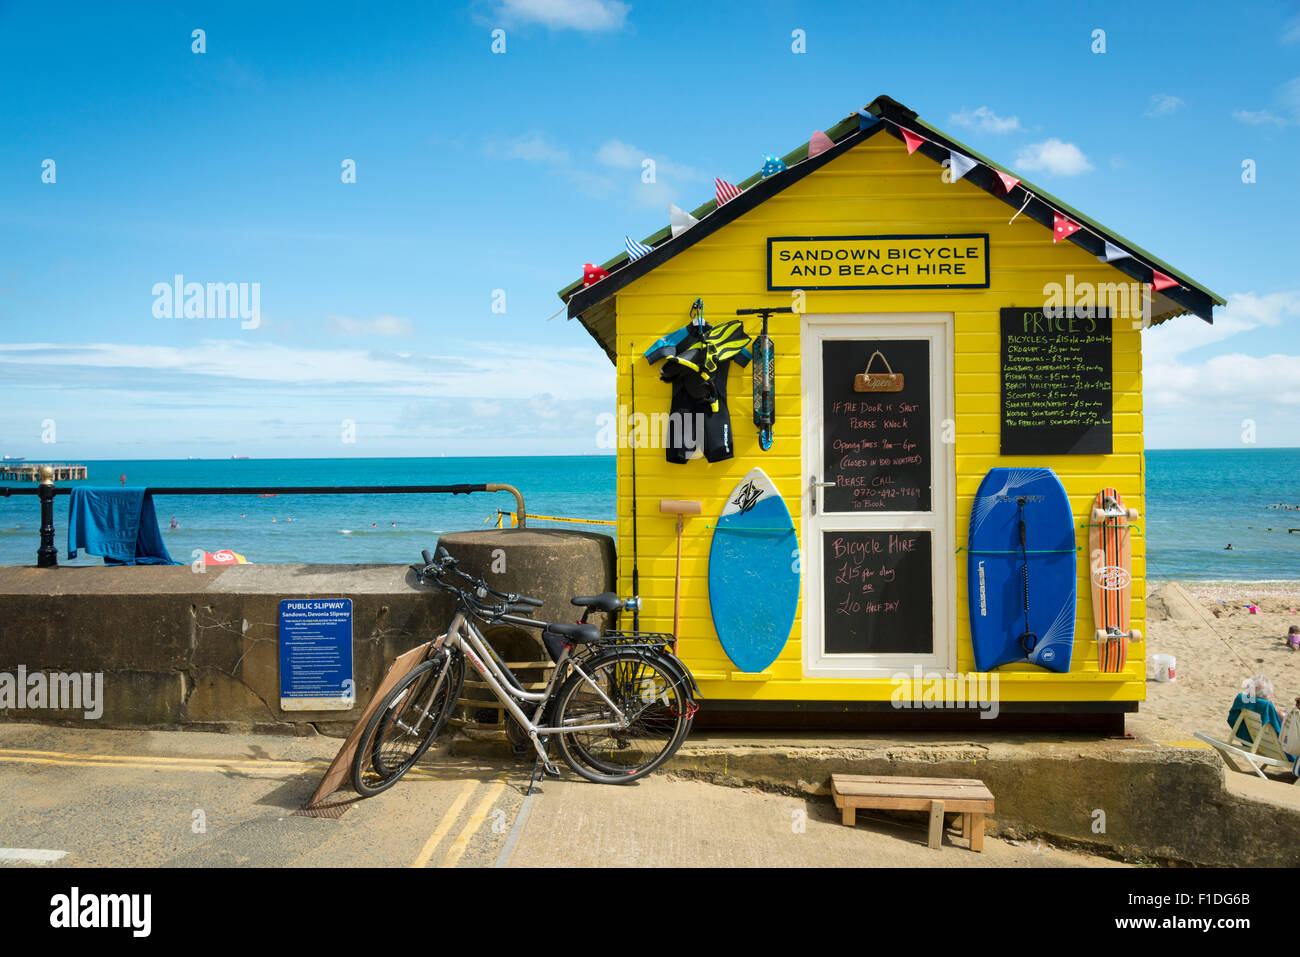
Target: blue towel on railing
118 523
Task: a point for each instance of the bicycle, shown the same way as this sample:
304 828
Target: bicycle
618 704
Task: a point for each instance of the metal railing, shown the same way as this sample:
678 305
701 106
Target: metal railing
47 555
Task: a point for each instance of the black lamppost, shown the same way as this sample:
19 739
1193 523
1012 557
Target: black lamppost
47 556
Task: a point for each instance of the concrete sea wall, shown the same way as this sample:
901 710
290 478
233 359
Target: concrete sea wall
181 648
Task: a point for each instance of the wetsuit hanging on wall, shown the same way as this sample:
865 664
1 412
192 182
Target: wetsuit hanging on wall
697 358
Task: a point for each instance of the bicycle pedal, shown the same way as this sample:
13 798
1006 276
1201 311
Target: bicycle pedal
550 770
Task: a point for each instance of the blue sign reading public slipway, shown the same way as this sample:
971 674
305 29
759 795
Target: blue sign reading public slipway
316 654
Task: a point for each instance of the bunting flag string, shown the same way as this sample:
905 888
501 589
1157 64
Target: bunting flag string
818 143
679 220
1062 226
1112 252
867 121
635 250
1160 281
1008 181
959 164
912 140
772 164
723 191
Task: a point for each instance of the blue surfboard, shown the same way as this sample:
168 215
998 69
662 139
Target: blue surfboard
754 573
1006 575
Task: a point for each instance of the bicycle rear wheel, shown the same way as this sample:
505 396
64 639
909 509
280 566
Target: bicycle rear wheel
656 701
407 723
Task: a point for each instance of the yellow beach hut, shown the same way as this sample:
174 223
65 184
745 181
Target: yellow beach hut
998 325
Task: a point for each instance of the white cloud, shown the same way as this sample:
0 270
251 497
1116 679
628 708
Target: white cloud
1287 101
620 155
531 148
1053 156
985 120
587 16
1244 312
1193 402
1163 104
378 326
213 366
1258 118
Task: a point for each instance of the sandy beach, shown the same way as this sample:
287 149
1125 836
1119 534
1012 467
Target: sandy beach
1218 643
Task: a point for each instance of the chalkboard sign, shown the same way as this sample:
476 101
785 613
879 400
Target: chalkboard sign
876 445
1056 382
878 592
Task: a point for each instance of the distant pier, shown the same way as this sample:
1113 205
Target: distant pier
32 473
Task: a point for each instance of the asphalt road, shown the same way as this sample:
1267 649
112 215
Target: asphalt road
78 798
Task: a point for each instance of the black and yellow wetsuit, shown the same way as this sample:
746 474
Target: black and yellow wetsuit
696 361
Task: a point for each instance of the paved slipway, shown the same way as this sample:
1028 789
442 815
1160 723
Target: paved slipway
192 799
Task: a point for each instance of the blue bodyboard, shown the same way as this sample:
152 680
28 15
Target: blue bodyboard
1000 570
754 574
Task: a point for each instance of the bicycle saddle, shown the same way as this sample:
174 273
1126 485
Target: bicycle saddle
606 602
578 634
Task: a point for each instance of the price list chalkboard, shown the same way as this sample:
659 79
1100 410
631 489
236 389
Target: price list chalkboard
878 594
876 445
1056 383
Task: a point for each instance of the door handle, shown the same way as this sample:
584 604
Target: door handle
814 485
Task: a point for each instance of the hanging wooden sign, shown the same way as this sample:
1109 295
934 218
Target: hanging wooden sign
887 381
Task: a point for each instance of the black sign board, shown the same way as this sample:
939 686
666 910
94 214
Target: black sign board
1056 382
878 594
876 444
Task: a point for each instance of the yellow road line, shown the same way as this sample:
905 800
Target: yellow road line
95 763
444 825
461 844
247 765
75 757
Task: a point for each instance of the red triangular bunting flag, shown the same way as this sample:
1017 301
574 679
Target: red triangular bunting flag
1009 182
592 274
1062 227
912 140
1160 281
724 191
819 143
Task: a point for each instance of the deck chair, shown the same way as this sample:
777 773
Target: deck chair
1265 749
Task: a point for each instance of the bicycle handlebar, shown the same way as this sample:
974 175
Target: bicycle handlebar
437 566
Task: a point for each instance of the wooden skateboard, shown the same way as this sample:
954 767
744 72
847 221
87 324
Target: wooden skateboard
1110 572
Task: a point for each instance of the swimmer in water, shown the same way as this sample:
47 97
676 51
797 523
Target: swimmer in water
1228 547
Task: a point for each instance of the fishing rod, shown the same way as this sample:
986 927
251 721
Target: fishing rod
632 442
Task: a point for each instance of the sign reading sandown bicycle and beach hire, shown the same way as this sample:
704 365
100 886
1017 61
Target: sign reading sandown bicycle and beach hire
316 654
878 262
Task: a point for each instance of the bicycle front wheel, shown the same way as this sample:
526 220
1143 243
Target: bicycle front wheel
655 701
407 723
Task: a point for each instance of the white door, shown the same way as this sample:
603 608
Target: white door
878 502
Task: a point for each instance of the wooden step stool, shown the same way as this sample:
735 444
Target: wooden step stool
965 796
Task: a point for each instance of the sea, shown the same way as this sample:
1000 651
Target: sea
1198 503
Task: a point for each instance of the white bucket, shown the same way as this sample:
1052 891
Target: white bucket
1165 667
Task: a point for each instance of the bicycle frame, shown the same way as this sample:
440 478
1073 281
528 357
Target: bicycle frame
463 634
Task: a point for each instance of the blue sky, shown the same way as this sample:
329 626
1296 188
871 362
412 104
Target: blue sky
478 172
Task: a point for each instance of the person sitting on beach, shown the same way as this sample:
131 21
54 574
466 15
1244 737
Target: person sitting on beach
1293 638
1256 695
